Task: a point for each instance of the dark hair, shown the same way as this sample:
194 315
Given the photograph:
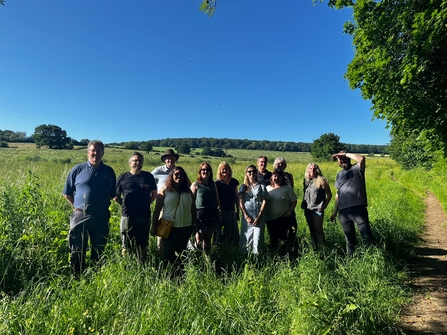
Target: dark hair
184 185
210 177
279 173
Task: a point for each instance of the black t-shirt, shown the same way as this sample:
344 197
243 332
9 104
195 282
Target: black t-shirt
136 191
227 194
264 178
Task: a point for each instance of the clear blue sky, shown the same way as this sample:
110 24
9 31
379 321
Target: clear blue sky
137 70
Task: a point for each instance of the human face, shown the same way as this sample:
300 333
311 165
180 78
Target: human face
277 179
311 171
178 176
344 162
252 173
280 166
262 164
224 171
136 163
95 155
205 171
170 162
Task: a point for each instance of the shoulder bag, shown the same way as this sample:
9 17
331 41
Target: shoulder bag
164 226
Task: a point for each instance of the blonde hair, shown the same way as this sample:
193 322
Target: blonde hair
222 165
279 160
319 178
246 180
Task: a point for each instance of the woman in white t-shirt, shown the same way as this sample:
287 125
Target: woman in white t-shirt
280 207
177 203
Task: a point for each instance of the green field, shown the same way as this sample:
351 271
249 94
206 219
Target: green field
315 293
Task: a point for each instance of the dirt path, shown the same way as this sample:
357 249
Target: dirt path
428 315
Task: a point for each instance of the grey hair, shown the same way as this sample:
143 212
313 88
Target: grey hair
95 143
136 153
279 160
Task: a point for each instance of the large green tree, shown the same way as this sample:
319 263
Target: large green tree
54 137
411 151
400 63
325 146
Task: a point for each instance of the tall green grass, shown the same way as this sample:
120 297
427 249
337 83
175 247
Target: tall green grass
318 292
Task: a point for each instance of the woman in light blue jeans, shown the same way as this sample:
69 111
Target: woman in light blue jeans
252 202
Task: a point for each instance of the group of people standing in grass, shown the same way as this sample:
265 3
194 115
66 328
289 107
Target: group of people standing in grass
208 209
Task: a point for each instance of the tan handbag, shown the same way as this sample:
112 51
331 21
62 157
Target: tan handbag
164 226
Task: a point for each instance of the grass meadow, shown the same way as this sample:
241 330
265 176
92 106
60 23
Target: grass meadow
313 292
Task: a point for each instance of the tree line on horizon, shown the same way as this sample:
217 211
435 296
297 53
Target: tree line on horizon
184 145
54 137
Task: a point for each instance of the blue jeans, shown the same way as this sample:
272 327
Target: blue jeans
359 216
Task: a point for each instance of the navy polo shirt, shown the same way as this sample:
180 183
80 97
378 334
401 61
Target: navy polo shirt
92 189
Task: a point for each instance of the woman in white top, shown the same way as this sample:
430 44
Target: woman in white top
177 203
280 207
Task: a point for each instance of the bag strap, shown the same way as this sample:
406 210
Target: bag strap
178 203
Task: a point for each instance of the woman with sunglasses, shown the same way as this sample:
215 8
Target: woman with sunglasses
252 201
176 201
207 204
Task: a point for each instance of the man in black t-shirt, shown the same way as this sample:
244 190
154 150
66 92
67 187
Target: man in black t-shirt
136 190
264 175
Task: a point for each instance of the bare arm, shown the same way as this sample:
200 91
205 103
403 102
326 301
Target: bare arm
291 208
193 211
334 214
237 201
153 196
292 181
328 191
358 158
217 196
261 212
155 216
242 207
69 198
194 189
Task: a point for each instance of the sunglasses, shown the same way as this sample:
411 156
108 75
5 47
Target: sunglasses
206 170
251 171
178 174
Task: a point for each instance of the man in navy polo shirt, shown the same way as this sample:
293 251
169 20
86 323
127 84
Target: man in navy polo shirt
135 191
89 188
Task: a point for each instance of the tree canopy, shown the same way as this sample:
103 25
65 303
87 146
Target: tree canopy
54 137
327 145
400 63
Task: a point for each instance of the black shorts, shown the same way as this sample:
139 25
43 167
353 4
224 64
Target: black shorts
135 230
